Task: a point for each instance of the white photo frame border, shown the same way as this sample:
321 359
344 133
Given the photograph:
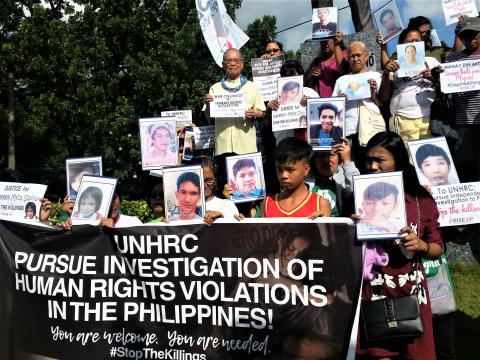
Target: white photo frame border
316 101
281 81
104 209
331 18
168 172
84 160
145 122
257 158
396 13
367 180
441 142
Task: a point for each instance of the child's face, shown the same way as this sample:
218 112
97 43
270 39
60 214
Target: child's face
29 213
246 179
379 209
436 169
87 206
289 96
291 174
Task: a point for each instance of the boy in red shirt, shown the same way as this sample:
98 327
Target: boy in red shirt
292 157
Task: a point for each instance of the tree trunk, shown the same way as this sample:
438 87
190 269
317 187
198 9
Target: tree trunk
11 122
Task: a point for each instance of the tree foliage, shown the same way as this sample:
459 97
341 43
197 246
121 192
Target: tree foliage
84 76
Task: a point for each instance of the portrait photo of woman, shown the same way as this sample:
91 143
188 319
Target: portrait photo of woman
159 143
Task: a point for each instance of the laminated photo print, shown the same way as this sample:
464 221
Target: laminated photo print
388 20
324 22
183 189
325 122
188 145
411 57
433 161
380 203
94 199
76 168
290 90
355 86
159 143
245 176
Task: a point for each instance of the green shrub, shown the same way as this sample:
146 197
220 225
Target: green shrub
138 208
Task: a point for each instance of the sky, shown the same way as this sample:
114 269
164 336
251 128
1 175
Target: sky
292 12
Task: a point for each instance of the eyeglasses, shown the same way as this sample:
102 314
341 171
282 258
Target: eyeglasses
233 61
209 182
274 50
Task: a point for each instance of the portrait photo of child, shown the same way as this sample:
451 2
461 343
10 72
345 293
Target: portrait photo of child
184 193
290 90
158 140
380 204
433 161
355 86
93 199
245 175
76 168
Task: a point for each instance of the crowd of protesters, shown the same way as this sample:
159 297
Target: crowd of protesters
303 183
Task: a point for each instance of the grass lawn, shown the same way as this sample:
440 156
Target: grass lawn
466 278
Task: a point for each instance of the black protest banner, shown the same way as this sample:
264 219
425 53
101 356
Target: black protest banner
257 289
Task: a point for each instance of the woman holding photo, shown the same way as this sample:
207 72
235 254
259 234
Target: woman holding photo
410 97
385 152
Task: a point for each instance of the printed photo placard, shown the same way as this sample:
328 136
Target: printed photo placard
324 22
94 199
183 189
245 176
290 114
433 161
411 57
325 122
159 142
21 201
355 86
380 203
76 168
389 21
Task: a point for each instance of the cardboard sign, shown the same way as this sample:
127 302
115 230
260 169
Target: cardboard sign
182 117
460 76
229 105
452 9
458 204
20 201
265 73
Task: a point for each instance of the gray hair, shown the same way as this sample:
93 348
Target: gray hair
357 43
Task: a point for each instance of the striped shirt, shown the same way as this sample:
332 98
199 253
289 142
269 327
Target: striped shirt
467 104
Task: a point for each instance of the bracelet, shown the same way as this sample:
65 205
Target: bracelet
428 248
